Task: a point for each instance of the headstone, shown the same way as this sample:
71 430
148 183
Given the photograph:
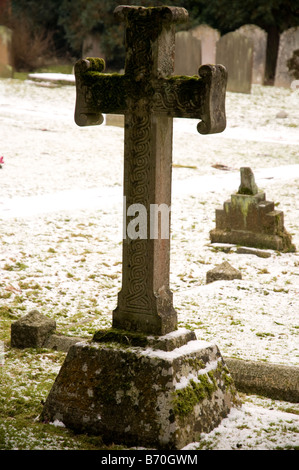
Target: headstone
248 185
223 272
235 52
6 68
249 219
144 381
32 330
288 43
259 41
293 66
187 54
208 38
92 46
116 120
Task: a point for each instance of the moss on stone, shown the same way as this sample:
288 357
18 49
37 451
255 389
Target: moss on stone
125 338
246 191
186 398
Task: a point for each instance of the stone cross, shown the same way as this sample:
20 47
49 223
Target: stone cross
150 97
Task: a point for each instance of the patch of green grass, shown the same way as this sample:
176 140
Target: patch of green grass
265 335
60 68
26 378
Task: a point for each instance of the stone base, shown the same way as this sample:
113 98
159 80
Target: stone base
135 390
32 330
281 242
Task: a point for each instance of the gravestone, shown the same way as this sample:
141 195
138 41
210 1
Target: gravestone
187 54
32 330
144 381
288 43
208 38
259 41
6 69
249 219
235 52
92 46
223 272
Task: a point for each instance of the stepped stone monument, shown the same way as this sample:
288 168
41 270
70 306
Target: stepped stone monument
144 381
249 219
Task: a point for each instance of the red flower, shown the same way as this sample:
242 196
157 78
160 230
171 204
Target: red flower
1 160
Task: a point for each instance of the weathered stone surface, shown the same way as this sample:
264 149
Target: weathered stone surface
115 120
59 342
235 52
208 38
187 54
223 272
253 251
248 185
92 46
288 43
293 65
248 219
143 396
6 66
258 38
276 381
32 330
281 114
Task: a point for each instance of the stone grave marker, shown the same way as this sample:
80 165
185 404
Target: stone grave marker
288 43
6 69
259 41
223 271
144 381
235 52
208 38
92 46
187 54
32 330
249 219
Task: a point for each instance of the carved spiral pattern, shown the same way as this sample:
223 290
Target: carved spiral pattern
139 178
175 103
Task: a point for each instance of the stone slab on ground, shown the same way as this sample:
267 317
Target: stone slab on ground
31 330
275 381
223 271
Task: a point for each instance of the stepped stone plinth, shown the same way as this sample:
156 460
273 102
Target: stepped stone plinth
249 219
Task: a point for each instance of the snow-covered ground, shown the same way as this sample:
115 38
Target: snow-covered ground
61 230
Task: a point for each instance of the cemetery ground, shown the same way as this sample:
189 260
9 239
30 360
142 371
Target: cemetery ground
61 237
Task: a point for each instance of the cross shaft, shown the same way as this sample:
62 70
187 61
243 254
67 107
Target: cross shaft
149 97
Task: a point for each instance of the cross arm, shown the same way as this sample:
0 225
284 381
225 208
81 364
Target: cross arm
199 97
97 92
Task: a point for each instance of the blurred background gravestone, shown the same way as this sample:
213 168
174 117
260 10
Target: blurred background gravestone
259 41
235 52
288 43
208 37
187 54
6 68
92 46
